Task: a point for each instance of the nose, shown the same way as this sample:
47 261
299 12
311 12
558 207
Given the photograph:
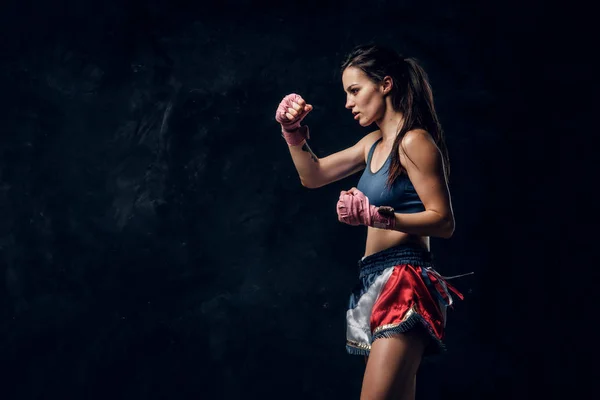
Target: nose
349 103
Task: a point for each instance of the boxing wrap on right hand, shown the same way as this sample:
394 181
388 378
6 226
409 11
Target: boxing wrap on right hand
354 208
292 132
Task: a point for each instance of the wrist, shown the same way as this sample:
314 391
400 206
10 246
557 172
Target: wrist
295 137
381 221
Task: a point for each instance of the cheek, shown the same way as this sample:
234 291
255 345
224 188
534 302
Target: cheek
376 106
371 102
371 107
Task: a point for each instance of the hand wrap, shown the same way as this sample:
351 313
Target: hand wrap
291 130
353 208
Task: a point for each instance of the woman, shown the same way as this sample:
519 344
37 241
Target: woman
397 313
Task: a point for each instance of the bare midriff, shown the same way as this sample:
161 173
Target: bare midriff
381 239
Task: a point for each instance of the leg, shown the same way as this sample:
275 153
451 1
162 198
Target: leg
392 367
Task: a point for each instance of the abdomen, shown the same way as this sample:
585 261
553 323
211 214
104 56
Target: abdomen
381 239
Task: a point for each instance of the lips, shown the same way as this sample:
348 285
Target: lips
356 115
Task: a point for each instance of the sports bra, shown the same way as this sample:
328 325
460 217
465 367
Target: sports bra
402 195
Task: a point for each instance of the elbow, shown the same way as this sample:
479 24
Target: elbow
306 184
447 234
447 228
309 184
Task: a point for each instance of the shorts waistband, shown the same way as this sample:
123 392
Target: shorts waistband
397 255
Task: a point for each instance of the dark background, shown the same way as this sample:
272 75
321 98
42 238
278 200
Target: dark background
156 242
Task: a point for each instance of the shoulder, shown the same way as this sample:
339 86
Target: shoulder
417 141
369 140
419 147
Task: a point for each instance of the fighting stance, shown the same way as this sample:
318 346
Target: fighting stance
397 312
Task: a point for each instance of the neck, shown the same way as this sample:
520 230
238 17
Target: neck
390 125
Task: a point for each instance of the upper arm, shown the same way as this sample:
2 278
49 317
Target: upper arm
424 165
343 163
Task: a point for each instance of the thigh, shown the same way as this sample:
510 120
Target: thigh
392 366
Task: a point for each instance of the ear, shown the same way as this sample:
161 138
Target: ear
386 85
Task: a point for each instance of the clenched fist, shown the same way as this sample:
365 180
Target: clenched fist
290 113
353 208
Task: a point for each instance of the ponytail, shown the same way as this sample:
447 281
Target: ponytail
414 98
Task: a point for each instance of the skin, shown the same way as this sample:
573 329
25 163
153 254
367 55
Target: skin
393 362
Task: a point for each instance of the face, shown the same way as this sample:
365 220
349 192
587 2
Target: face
364 97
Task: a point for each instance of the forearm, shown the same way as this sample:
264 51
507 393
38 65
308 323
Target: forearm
306 163
425 223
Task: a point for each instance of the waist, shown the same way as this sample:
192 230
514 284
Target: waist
405 253
381 239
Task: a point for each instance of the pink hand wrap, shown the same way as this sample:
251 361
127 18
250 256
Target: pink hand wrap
353 208
291 130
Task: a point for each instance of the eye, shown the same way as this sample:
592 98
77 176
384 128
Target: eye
354 90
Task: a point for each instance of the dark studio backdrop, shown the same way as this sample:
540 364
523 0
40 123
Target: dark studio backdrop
155 240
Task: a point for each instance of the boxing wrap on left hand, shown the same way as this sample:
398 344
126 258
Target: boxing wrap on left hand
291 130
353 208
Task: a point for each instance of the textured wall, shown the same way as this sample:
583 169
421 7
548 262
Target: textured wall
155 239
